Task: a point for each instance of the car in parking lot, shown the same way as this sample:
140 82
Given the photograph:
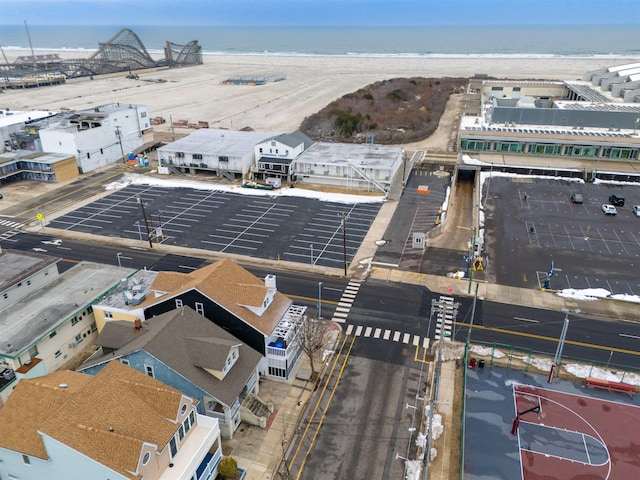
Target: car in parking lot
616 200
609 209
576 198
636 210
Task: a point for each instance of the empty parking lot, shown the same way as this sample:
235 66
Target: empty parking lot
295 229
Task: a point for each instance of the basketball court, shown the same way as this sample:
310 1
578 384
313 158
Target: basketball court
518 426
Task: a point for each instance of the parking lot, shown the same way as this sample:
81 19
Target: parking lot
274 227
531 222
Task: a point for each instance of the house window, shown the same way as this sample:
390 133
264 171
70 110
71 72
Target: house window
179 154
33 351
183 409
200 308
142 115
58 353
260 150
223 159
146 458
28 282
53 334
78 338
5 296
94 327
192 418
187 425
108 315
181 432
125 361
75 320
25 460
148 369
173 446
197 156
178 303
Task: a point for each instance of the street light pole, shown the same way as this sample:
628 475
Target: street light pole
144 216
563 335
118 257
319 300
344 241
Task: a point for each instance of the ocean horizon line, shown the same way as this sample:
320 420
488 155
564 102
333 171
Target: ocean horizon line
404 55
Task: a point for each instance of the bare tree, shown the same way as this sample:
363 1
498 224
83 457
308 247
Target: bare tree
314 339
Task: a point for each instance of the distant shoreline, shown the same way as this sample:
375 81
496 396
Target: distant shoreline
196 93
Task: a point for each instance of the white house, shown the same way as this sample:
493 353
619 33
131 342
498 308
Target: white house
13 121
98 136
274 156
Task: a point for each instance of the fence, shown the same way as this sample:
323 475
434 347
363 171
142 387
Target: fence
526 359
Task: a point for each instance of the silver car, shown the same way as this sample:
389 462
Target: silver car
636 210
609 209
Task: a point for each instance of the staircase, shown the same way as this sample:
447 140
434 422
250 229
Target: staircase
254 411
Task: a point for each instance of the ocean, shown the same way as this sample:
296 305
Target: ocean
487 41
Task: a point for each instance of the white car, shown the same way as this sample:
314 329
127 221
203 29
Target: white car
609 209
636 210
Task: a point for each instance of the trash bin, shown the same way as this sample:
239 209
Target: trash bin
472 363
481 363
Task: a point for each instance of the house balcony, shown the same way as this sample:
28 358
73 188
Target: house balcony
199 454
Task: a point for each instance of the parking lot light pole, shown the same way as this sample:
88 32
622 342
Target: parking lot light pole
144 216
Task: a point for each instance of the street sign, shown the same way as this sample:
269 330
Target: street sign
39 216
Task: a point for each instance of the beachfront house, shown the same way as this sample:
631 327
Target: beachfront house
193 355
119 424
274 156
99 136
225 153
249 308
46 317
367 167
39 166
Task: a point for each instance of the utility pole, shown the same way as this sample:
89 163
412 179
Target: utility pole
119 135
144 216
344 241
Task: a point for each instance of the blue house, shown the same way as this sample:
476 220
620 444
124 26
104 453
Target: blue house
193 355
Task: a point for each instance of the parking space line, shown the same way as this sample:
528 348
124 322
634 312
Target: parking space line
603 240
621 242
227 245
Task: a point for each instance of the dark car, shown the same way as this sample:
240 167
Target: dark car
616 200
576 198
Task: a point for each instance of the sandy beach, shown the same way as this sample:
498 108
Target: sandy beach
311 82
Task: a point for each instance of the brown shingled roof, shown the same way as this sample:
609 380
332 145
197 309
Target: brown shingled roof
229 285
106 417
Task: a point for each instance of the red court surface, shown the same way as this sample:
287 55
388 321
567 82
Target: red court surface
574 437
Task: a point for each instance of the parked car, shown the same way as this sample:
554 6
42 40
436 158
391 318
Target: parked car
616 200
609 209
636 210
1 197
576 198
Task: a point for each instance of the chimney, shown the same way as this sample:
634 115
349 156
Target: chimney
270 281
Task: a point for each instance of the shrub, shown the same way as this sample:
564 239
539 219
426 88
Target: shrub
227 467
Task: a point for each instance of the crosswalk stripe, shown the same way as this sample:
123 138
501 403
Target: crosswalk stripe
396 336
358 330
367 332
345 304
342 309
349 329
416 340
405 338
348 295
339 320
425 342
387 334
377 333
340 314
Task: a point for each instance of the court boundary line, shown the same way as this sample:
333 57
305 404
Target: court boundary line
514 385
